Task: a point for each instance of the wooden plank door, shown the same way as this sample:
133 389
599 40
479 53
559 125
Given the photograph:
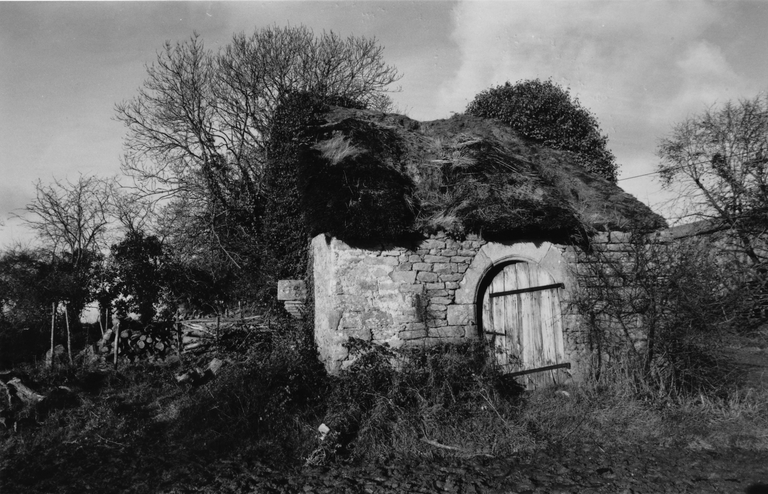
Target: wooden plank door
522 321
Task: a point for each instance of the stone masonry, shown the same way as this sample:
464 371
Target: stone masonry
428 293
391 294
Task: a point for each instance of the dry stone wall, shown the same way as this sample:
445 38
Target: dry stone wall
602 305
419 296
428 293
390 294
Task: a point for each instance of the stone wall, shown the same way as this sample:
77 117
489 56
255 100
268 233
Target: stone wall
428 293
596 273
390 294
412 296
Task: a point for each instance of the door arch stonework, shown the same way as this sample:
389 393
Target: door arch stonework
491 260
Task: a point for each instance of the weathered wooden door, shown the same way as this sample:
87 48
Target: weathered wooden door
522 321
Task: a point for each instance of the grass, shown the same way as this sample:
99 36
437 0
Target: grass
136 430
337 149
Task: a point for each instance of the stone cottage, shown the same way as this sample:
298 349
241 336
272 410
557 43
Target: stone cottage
446 231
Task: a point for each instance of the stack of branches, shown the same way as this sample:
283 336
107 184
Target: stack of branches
201 335
151 343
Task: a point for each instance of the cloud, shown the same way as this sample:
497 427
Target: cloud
639 66
608 53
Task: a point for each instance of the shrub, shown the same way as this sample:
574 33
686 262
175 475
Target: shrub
546 113
402 403
266 405
653 313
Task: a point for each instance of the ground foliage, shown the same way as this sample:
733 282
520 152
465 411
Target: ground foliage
136 430
658 311
545 112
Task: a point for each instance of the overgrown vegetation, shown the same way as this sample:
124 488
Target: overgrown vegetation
656 311
251 176
364 196
135 429
478 185
370 177
545 112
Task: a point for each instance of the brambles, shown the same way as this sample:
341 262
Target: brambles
653 311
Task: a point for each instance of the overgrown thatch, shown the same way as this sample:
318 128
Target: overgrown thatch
370 175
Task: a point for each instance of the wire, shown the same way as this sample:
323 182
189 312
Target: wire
651 173
637 176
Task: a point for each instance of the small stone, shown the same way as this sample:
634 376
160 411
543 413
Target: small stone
437 293
461 259
451 277
438 259
427 277
443 267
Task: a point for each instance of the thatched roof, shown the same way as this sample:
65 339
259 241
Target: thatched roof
370 174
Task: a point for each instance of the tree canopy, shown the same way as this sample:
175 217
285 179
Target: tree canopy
201 120
73 217
545 112
718 163
199 127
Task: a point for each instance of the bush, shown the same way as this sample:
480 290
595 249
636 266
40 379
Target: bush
402 403
545 112
266 405
654 313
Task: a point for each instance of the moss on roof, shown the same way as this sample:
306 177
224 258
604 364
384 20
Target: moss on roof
370 175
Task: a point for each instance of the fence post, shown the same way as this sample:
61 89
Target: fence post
116 330
218 327
69 335
179 342
53 325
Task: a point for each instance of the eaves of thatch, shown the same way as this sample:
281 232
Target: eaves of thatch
368 175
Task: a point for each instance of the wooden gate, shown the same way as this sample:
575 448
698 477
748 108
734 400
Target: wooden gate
522 322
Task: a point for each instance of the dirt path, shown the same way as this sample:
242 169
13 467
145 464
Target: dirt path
637 470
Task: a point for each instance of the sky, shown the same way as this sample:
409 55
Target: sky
640 67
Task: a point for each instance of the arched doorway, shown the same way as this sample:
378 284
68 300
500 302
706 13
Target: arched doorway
520 317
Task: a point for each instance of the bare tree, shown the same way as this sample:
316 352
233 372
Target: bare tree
199 126
200 123
718 163
133 212
72 217
73 220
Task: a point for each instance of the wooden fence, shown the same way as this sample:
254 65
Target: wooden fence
199 335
